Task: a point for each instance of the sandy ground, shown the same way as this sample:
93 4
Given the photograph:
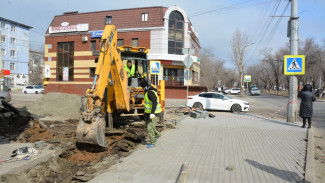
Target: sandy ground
76 162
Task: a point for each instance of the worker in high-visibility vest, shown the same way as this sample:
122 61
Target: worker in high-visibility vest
152 111
130 70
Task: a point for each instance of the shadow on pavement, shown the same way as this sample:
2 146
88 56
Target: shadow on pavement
288 175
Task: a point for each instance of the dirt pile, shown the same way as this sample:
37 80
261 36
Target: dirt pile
57 104
76 162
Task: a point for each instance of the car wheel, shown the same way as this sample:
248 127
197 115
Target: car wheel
197 105
235 108
25 92
36 92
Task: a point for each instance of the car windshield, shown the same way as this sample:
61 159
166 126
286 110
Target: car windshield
225 96
37 87
254 89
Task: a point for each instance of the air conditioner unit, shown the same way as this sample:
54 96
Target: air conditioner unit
84 39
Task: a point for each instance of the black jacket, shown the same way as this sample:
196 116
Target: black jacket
306 105
152 97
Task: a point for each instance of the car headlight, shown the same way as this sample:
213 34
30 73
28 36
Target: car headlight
246 103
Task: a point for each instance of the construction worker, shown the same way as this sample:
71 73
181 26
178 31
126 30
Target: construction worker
130 70
151 112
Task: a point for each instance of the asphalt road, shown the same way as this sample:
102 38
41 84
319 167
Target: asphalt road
266 105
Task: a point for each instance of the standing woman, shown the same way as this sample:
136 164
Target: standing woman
306 105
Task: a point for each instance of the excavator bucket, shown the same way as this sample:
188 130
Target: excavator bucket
92 133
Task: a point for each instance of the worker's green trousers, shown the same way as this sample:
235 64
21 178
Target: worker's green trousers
152 131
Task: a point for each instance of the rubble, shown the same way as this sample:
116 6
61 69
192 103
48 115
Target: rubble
72 162
12 121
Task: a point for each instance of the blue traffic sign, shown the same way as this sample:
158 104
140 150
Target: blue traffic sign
95 34
294 64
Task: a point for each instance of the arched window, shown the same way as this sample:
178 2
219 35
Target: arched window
175 33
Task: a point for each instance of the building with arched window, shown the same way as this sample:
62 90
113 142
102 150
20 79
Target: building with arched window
72 43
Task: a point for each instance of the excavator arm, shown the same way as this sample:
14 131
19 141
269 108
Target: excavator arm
91 128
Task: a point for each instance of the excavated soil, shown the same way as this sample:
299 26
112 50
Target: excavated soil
77 162
57 104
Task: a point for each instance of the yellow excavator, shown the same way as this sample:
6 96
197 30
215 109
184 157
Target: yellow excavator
110 94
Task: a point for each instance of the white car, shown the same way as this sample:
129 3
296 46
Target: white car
225 91
255 91
33 89
217 101
234 91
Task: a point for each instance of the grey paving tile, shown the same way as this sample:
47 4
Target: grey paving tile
259 150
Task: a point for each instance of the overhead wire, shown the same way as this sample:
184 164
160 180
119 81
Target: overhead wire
232 7
261 35
276 26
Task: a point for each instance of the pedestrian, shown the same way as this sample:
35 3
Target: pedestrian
306 105
152 111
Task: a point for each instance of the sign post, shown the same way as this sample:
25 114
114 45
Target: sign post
293 65
247 79
155 69
188 61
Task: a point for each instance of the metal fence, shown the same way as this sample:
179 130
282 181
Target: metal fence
174 80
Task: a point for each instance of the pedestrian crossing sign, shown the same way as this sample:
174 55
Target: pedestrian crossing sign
294 64
247 78
155 67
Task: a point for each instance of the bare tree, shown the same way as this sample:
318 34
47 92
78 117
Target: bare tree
275 63
239 44
212 68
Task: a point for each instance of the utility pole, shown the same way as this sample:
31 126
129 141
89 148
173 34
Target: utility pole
293 83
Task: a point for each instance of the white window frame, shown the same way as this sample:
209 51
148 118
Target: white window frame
13 28
13 40
14 53
12 66
108 20
144 17
5 38
3 51
3 25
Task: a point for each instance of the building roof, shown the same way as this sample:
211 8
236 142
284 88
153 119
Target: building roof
121 18
14 22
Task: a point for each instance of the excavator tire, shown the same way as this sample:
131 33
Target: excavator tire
92 133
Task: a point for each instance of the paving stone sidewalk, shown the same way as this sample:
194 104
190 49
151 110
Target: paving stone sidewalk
228 148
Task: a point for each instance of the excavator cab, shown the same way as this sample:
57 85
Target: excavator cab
138 58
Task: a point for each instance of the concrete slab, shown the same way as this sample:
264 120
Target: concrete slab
14 165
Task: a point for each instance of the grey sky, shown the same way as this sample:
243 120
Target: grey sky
215 22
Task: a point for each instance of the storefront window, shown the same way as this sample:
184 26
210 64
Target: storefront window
175 33
65 61
174 77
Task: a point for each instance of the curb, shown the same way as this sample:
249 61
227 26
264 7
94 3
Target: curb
310 154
